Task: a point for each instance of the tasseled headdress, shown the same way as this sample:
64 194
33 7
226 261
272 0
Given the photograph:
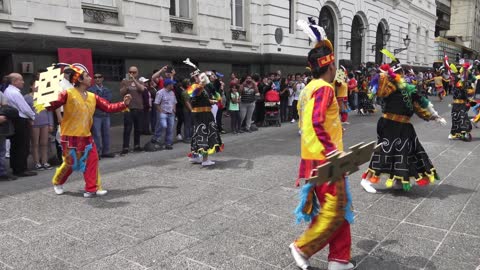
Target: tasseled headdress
196 88
318 36
76 69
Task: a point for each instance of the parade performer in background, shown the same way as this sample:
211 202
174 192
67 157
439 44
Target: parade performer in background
79 150
401 156
321 136
341 92
463 90
438 80
206 138
365 104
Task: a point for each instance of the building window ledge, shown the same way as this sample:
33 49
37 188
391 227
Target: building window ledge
81 28
183 37
252 46
239 34
100 14
181 25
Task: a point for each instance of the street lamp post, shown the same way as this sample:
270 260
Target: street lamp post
406 42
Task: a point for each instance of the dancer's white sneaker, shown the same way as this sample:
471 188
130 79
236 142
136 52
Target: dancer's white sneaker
300 261
87 194
340 266
58 189
196 160
208 162
367 186
102 192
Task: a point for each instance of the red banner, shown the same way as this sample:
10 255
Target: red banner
75 55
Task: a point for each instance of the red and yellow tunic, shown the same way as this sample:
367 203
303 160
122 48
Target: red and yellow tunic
320 125
78 115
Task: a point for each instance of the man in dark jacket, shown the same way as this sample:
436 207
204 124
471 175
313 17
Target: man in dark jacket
7 113
101 120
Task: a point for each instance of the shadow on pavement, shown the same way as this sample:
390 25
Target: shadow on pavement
234 164
106 201
441 192
385 259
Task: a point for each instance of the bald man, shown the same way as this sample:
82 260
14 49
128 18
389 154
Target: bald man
20 141
134 117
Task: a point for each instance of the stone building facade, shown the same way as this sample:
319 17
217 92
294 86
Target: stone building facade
229 35
465 23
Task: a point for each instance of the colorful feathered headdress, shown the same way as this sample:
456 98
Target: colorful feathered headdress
196 71
75 69
318 36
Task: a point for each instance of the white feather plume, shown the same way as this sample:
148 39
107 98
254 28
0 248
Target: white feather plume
323 35
188 62
305 26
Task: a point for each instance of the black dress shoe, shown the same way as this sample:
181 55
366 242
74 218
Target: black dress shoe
25 174
138 149
168 147
124 151
110 155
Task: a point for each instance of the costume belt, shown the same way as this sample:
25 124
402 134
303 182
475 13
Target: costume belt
202 109
397 117
459 101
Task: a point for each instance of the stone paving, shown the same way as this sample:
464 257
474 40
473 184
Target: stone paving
163 213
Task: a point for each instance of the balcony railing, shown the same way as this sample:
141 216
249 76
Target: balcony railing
100 14
181 26
239 34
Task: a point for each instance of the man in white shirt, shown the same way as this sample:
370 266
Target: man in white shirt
20 141
298 87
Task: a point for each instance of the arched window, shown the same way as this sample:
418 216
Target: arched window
326 20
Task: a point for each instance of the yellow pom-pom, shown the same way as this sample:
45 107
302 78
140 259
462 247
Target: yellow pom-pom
389 183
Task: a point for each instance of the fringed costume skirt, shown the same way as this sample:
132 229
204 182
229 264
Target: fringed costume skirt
401 156
206 138
460 121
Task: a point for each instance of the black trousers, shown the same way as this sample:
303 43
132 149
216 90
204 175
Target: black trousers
180 119
219 118
259 112
146 123
284 109
20 145
132 119
294 109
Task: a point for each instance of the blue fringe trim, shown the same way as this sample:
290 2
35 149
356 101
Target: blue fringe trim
80 165
349 216
299 214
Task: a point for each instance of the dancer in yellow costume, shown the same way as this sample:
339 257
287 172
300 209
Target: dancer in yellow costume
321 136
79 150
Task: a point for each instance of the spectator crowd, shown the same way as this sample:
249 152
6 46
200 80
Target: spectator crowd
160 108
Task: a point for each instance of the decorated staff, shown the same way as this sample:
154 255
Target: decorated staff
79 150
321 136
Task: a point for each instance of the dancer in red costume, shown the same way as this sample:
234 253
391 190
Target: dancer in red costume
321 132
79 150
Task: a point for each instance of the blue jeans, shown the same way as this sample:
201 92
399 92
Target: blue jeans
164 121
101 134
355 99
3 151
